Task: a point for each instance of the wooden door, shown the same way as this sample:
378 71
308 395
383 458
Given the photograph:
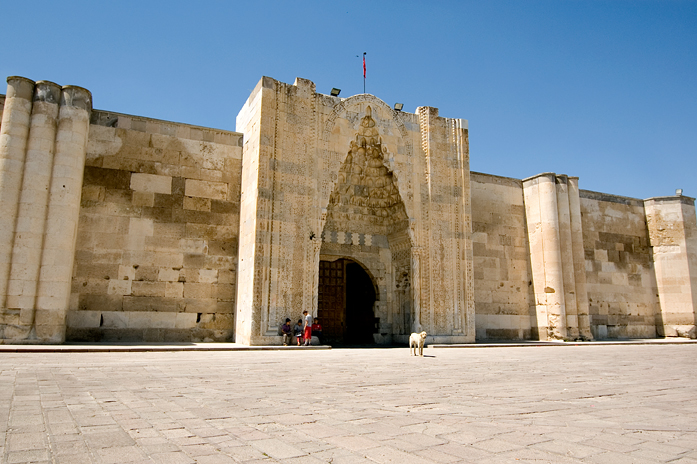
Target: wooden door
331 300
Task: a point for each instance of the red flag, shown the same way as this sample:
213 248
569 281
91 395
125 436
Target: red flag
364 66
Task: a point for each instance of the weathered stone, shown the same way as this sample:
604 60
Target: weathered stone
364 216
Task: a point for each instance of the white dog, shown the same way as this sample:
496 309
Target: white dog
416 340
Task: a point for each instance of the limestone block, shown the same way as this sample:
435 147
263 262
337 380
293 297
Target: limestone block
163 320
174 290
197 290
83 319
198 305
226 276
168 275
126 272
145 304
169 230
208 275
161 244
148 288
197 204
52 318
216 321
171 260
213 175
143 199
194 246
50 333
203 189
141 227
140 320
134 243
224 292
115 319
185 320
119 287
93 193
151 183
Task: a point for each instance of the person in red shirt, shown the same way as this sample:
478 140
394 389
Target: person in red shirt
317 331
307 328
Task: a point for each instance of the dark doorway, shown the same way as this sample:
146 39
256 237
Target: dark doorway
346 296
360 298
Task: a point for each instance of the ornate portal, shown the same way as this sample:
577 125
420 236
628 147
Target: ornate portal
366 192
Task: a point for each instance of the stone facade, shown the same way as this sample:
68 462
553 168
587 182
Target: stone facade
157 243
619 267
326 179
124 228
502 289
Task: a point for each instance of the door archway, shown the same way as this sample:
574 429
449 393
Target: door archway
346 297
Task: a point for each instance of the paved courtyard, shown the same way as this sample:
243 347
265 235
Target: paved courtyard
586 404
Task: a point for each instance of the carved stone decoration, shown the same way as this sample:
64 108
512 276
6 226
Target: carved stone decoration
403 294
416 286
315 250
365 191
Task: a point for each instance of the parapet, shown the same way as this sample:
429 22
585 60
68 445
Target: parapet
162 127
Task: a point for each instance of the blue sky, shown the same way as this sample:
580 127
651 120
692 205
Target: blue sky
602 90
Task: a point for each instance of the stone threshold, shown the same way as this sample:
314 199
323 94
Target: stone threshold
533 343
147 347
152 347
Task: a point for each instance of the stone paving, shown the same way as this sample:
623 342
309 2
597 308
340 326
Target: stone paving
585 404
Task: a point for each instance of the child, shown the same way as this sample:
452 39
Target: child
317 330
287 330
298 331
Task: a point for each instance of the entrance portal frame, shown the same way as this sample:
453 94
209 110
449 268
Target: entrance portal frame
296 141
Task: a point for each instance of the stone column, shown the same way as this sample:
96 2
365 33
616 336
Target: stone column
13 142
416 287
466 259
582 306
63 212
31 216
566 245
428 117
540 197
673 238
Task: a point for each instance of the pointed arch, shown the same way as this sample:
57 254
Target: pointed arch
334 148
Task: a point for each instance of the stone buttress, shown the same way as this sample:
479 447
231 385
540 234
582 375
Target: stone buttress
555 239
673 238
43 139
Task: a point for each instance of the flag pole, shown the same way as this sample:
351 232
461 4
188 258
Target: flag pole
364 53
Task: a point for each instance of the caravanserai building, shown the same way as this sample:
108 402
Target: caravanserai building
116 227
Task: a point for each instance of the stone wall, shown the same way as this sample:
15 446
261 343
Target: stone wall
123 228
619 271
157 238
502 286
